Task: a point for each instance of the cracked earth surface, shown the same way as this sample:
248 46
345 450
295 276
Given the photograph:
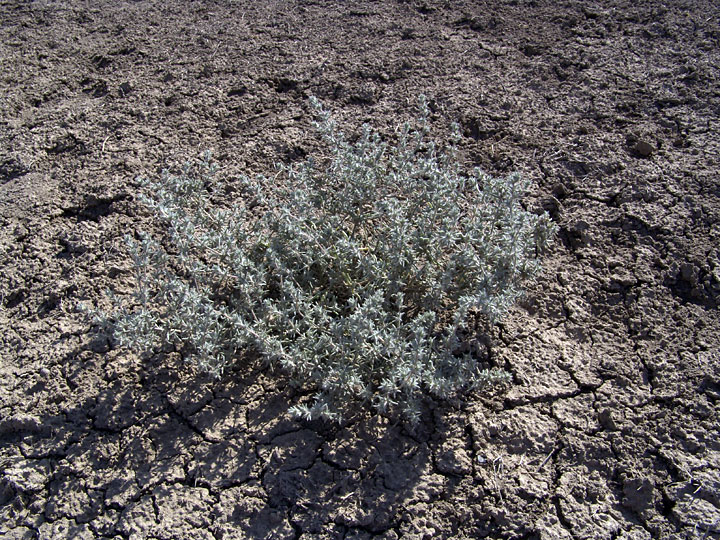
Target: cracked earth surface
610 429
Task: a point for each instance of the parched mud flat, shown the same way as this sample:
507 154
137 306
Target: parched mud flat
611 427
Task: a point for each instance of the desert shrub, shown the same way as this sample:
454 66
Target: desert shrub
354 273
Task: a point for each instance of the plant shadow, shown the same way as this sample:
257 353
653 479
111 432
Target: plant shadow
153 447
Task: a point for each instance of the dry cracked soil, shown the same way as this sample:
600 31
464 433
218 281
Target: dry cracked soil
610 428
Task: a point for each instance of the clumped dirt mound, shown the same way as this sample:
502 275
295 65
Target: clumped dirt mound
611 427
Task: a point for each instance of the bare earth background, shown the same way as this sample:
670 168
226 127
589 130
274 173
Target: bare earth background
611 427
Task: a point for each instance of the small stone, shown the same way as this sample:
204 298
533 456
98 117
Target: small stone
550 205
638 494
237 91
606 420
560 191
689 273
125 89
644 148
580 234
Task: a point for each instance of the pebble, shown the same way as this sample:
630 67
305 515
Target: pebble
644 148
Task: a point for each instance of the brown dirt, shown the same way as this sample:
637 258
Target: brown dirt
611 428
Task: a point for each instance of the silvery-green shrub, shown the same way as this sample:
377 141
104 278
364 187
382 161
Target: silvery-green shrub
355 273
